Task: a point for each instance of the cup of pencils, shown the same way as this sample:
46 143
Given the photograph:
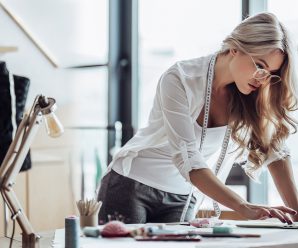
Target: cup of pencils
88 212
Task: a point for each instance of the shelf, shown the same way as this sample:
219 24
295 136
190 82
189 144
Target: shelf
7 49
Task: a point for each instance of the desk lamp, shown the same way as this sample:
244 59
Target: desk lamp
42 109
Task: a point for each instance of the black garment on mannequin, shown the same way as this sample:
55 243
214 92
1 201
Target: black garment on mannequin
21 86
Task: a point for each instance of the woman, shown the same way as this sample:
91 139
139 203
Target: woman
233 105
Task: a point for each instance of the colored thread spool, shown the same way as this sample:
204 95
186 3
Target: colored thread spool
72 232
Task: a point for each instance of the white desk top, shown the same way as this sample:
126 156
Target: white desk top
270 237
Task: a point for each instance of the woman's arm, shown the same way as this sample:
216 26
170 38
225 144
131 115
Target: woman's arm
211 186
282 174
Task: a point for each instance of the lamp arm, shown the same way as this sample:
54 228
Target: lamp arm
14 159
17 211
10 168
10 154
19 148
16 142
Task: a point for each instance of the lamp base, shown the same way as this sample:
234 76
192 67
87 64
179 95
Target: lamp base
30 241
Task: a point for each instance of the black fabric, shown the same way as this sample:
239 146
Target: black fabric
133 202
21 90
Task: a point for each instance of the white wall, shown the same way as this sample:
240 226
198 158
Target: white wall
81 94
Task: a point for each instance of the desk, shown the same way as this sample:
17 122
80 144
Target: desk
281 238
274 238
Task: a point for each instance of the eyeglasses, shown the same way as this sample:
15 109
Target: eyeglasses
264 76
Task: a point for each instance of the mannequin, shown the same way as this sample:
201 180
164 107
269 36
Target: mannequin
7 127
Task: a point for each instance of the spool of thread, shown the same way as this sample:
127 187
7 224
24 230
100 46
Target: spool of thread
72 232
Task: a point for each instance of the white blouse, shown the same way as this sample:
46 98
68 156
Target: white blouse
154 166
172 126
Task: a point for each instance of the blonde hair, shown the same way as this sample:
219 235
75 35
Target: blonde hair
260 121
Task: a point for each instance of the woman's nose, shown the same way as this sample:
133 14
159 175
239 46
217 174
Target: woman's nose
260 82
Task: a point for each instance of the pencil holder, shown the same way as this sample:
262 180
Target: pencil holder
90 220
88 212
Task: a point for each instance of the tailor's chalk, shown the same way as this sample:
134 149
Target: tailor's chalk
91 231
72 232
222 229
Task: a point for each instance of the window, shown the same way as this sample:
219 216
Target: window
287 14
172 30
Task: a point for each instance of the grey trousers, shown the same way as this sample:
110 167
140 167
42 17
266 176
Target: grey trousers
133 202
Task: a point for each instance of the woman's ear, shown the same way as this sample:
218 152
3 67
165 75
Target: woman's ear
233 51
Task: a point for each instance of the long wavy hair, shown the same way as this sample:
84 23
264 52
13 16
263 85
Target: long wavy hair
261 121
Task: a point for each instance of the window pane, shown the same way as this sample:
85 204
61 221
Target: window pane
286 11
172 30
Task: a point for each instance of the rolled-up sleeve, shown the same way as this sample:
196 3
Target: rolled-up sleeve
282 153
178 124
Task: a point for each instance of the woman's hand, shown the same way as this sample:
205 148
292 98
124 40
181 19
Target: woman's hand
209 184
254 212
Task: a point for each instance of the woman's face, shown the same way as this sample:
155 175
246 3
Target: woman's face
242 68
